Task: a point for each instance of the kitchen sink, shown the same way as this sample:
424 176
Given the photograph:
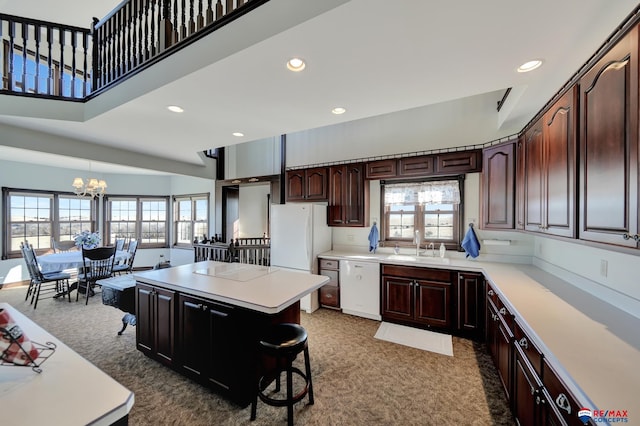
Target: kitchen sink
418 259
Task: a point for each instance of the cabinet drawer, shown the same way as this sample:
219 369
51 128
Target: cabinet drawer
329 264
415 166
459 162
381 169
333 277
441 275
531 351
329 296
560 397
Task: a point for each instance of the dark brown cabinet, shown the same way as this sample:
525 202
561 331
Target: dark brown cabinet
307 184
419 296
330 292
609 146
348 196
459 162
520 184
497 186
416 166
205 341
382 169
470 301
499 338
155 329
534 175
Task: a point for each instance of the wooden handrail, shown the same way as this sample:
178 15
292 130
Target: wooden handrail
255 254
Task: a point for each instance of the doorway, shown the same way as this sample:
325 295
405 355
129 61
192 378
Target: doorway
230 212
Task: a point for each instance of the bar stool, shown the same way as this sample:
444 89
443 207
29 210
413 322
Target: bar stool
284 342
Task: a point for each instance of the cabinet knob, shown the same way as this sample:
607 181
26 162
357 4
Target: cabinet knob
503 311
524 344
563 403
629 237
491 293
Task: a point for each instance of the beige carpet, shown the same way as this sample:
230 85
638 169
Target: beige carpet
415 338
358 380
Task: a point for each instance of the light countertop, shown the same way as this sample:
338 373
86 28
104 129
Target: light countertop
260 288
54 395
596 345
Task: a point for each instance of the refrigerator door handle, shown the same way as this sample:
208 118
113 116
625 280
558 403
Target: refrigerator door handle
309 236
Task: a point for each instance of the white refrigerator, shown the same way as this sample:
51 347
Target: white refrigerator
299 232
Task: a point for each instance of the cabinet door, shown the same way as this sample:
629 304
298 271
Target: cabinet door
498 186
382 169
471 304
526 387
609 146
416 166
397 298
520 184
356 196
295 181
560 156
534 178
330 292
193 336
337 178
223 350
316 184
144 318
164 304
459 162
433 303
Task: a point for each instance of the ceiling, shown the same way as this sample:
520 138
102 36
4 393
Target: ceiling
371 57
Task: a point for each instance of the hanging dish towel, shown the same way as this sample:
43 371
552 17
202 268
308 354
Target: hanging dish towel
373 238
470 243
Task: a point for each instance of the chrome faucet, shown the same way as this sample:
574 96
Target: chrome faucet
417 243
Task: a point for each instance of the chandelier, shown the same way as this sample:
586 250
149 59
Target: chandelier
94 187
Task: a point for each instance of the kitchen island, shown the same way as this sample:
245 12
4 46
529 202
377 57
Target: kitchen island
204 319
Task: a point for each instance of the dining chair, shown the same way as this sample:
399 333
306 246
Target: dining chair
127 266
120 243
98 265
52 282
63 246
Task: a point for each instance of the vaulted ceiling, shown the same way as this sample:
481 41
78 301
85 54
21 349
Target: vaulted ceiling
371 57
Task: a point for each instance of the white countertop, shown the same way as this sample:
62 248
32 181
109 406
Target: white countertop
55 396
260 288
597 344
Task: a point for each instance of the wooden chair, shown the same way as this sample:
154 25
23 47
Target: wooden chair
98 264
127 266
52 282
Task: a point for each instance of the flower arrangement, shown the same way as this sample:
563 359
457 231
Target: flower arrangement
87 239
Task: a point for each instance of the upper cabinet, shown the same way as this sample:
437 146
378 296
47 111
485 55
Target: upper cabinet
550 170
609 146
348 196
459 162
307 184
497 186
423 166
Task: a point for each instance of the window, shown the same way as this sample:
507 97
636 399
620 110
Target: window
191 217
39 216
433 208
141 218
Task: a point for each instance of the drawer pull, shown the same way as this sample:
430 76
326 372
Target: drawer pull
563 402
524 343
329 296
491 293
503 311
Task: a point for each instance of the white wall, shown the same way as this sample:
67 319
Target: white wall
257 158
30 176
253 207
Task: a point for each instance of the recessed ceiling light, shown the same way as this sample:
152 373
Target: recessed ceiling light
338 110
530 65
296 64
238 134
175 108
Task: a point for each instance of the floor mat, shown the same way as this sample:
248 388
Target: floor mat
415 338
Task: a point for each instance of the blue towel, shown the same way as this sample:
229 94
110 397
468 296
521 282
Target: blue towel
373 238
470 243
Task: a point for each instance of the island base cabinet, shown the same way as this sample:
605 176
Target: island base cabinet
155 329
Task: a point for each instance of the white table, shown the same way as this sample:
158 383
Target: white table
69 260
44 398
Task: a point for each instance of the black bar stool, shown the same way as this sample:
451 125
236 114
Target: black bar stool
284 342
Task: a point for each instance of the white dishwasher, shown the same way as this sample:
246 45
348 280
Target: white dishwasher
360 289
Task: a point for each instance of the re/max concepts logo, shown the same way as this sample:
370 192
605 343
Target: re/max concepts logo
603 416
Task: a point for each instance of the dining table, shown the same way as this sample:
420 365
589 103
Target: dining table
70 260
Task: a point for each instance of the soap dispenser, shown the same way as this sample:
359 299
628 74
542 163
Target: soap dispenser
443 250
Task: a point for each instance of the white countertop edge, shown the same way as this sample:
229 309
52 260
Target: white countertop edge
229 300
117 413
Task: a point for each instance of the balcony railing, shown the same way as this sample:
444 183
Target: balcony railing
59 61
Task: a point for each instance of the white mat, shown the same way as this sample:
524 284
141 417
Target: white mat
415 338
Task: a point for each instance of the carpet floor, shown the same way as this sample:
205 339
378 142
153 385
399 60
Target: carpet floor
358 380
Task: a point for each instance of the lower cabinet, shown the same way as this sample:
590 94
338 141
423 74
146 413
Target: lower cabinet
330 292
206 340
155 329
536 394
470 301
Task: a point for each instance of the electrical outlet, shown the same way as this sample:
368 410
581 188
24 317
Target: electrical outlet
604 267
